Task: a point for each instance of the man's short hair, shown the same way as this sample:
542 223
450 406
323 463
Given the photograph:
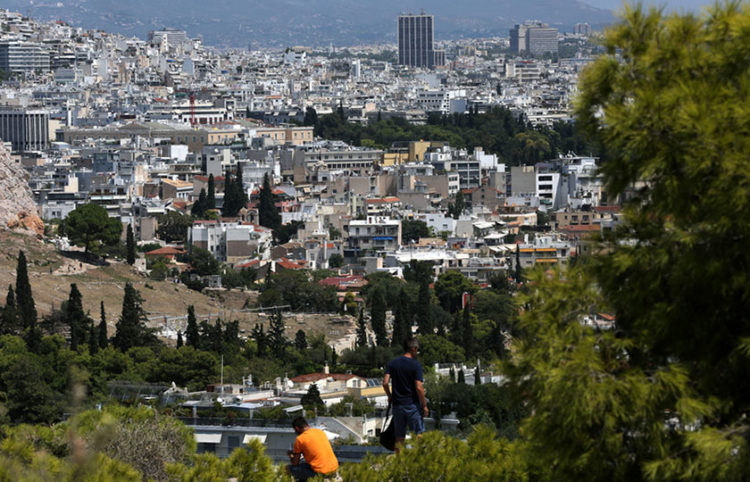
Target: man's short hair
299 422
411 343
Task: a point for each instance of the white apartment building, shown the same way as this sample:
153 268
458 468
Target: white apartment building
231 242
375 234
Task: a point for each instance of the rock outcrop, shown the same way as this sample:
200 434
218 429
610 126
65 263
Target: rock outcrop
17 206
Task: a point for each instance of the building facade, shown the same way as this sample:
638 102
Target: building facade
534 37
18 57
415 41
26 130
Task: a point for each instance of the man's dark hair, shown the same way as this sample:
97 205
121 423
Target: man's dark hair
299 422
411 343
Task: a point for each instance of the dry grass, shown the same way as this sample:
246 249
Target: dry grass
51 274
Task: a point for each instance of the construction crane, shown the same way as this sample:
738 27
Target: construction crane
192 109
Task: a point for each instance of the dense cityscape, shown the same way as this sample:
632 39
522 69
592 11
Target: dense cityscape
203 244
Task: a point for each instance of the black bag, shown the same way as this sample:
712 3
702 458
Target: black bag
388 433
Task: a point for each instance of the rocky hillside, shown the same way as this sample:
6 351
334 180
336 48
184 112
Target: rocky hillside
17 207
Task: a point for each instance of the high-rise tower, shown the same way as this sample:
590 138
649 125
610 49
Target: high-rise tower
415 40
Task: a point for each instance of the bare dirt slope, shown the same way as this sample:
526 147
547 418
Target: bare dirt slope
51 274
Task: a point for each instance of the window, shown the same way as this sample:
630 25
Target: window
233 441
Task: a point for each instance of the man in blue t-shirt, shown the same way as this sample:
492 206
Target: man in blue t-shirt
407 392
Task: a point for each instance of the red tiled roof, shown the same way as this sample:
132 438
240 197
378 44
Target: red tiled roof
205 178
249 264
353 281
607 209
287 264
388 199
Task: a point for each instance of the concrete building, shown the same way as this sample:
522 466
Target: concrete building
534 37
26 130
18 57
231 242
415 41
372 235
168 37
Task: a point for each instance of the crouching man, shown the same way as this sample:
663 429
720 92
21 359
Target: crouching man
314 445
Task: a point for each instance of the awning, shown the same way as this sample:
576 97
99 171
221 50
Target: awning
383 238
248 438
208 438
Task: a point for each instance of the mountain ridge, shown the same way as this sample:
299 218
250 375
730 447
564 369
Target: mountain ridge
237 23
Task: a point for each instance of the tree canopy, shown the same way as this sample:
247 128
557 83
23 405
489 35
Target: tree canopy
664 395
90 226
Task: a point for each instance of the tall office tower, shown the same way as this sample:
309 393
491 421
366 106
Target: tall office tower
27 130
415 41
582 29
533 37
518 39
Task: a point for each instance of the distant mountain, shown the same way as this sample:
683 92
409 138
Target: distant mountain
237 23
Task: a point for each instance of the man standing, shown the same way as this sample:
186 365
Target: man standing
314 445
407 393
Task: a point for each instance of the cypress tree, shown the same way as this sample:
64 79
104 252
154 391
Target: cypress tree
211 196
401 320
300 340
467 333
130 329
518 263
226 205
312 398
377 317
93 337
461 376
179 339
235 197
477 376
192 336
9 319
199 207
239 186
361 330
75 318
268 216
260 339
276 338
24 299
102 329
130 245
423 314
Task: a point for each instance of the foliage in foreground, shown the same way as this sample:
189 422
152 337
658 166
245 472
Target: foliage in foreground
122 444
436 456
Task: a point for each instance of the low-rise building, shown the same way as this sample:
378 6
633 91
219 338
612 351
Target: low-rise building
371 235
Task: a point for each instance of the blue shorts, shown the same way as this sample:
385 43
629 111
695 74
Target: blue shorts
404 415
302 471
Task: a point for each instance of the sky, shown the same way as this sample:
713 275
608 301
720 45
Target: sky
676 5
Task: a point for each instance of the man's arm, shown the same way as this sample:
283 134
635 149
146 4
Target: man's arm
295 453
386 385
420 392
294 457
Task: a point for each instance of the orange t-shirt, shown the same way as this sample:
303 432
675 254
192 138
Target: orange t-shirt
316 448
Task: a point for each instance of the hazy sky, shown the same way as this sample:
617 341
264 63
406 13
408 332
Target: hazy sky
672 4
